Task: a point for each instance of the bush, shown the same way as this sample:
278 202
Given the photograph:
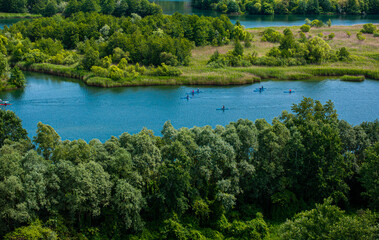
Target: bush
33 231
368 28
17 77
360 36
271 35
343 54
376 34
331 36
99 71
165 70
348 34
327 221
317 23
305 28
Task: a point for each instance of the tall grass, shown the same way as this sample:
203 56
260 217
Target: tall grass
19 15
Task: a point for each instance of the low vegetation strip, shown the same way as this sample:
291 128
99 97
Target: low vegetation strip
19 15
353 78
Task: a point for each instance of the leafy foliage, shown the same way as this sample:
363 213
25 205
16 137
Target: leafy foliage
198 183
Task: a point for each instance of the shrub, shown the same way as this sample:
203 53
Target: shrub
348 34
317 23
165 70
17 77
343 54
99 71
331 36
305 28
327 221
368 28
271 35
360 36
329 22
376 34
115 73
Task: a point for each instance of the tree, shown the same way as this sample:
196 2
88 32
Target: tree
11 127
91 57
238 48
369 175
127 203
17 77
46 140
318 50
50 9
4 67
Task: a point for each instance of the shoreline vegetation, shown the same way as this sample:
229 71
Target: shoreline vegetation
18 15
364 62
108 51
306 173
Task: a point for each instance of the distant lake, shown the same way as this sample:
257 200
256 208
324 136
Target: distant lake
250 21
78 111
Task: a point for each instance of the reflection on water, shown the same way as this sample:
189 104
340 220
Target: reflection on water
8 22
77 111
249 21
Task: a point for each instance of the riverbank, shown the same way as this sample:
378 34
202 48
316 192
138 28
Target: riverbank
364 61
18 15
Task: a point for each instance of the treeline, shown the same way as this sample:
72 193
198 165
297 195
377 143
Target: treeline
269 7
198 183
68 7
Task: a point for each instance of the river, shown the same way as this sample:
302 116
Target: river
78 111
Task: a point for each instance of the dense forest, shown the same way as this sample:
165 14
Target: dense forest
115 48
269 7
68 7
227 182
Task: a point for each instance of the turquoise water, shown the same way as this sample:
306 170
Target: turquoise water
250 21
8 22
77 111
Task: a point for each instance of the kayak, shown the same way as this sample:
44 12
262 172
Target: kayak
257 90
5 104
260 88
223 109
185 98
289 91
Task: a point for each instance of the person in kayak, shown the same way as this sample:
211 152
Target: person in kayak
223 107
187 97
193 92
290 90
198 90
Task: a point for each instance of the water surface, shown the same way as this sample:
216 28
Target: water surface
77 111
250 21
8 21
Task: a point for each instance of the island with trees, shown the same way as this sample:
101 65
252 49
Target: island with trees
305 175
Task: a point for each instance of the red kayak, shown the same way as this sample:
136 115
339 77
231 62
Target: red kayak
5 104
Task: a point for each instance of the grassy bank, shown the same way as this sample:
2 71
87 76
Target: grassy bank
353 78
19 15
364 62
